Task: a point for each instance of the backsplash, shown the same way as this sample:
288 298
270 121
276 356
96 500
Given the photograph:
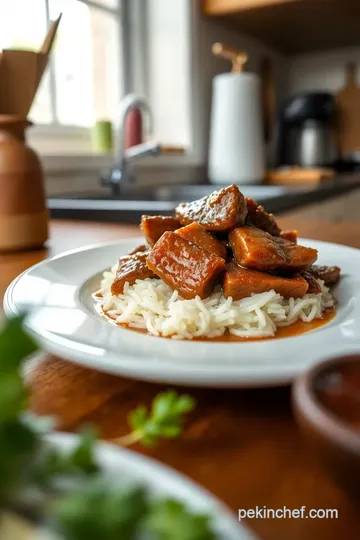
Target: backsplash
321 71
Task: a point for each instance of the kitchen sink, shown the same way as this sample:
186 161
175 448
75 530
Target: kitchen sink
178 193
134 201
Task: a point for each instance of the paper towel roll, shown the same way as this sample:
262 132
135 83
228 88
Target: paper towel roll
236 152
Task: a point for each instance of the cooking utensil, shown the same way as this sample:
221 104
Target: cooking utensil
50 36
46 49
312 145
18 76
21 73
306 136
348 104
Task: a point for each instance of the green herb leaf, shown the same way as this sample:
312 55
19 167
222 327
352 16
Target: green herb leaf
165 420
171 405
15 345
137 418
18 451
97 511
82 456
171 520
13 396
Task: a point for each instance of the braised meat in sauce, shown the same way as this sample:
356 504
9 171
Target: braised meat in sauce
292 236
256 249
314 285
241 282
329 274
154 226
220 211
131 268
195 234
186 267
140 249
257 217
223 239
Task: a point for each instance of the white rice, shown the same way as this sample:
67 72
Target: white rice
152 305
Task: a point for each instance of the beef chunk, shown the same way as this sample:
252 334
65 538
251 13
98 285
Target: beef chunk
292 236
259 218
131 268
154 226
220 211
194 233
254 248
314 285
241 282
139 249
190 270
329 274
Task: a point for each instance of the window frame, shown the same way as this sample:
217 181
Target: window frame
117 14
134 77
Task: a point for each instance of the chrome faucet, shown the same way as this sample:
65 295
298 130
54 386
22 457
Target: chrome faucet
120 174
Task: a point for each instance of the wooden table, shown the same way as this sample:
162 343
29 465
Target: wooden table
243 445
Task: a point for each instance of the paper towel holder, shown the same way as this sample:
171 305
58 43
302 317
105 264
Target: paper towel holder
238 58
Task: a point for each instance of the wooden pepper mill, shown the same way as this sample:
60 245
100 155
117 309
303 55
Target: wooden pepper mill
23 215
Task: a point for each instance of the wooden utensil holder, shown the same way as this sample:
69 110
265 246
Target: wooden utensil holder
23 214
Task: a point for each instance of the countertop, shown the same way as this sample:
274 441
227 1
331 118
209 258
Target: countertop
137 200
242 445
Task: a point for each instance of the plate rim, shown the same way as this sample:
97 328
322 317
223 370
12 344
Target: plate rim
178 373
157 468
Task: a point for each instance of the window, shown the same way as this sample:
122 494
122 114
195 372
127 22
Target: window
104 49
169 50
83 82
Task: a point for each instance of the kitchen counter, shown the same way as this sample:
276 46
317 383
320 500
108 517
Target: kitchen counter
133 201
242 445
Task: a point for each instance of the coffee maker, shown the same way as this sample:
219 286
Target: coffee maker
305 134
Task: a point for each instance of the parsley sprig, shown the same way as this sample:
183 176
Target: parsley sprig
164 421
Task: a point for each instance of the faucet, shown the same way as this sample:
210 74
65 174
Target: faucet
120 175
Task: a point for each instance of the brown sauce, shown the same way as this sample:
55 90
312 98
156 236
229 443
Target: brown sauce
296 329
338 389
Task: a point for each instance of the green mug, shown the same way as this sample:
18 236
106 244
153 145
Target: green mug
102 137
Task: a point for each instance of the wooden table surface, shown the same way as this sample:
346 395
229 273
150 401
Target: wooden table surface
242 445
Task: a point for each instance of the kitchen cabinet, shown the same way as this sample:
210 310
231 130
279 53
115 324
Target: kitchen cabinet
229 6
292 26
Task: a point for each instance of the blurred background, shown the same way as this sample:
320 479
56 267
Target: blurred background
162 50
103 50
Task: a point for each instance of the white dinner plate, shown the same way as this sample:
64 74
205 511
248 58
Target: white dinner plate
129 468
57 295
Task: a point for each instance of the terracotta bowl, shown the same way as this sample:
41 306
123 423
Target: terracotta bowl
326 404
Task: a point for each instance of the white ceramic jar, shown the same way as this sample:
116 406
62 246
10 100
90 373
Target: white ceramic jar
236 152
